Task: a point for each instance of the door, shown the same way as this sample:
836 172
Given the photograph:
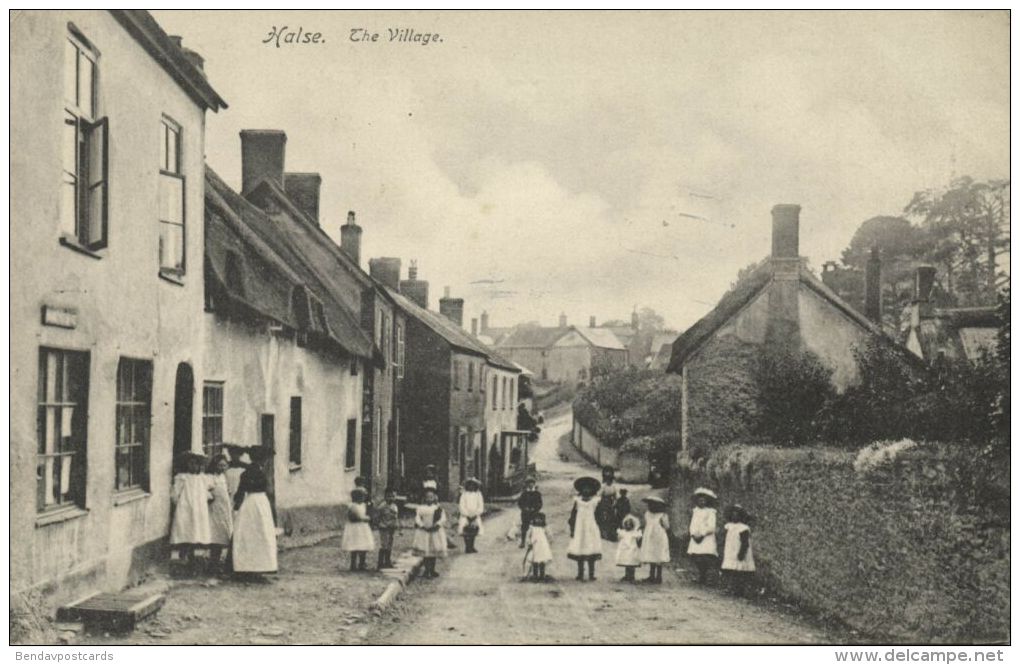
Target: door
184 396
267 441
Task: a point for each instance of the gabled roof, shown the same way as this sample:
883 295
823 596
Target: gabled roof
148 33
603 338
232 222
746 291
958 332
532 338
449 332
661 349
624 333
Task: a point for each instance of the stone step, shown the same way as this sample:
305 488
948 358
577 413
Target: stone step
112 612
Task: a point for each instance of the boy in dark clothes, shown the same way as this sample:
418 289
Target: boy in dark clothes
386 520
530 503
622 506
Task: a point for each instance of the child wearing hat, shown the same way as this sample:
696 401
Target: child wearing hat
471 506
628 549
738 557
387 519
191 494
585 538
357 538
703 548
430 532
655 540
538 546
530 503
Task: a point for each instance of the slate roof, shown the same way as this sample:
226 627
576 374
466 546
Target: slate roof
958 332
603 338
532 338
449 332
746 291
270 267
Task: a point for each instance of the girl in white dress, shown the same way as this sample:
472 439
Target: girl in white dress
703 548
357 538
655 541
430 532
628 552
254 547
537 542
471 507
738 556
585 539
191 494
221 513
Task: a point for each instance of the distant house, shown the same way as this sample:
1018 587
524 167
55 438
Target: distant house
660 350
564 354
953 333
781 302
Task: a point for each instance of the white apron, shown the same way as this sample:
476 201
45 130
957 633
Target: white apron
358 535
221 511
539 543
471 505
627 551
655 542
703 524
429 543
587 540
190 494
732 547
254 547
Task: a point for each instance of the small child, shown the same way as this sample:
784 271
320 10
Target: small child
628 550
357 538
530 502
387 520
471 506
702 547
538 547
738 557
585 541
430 534
622 506
361 483
655 541
221 513
191 494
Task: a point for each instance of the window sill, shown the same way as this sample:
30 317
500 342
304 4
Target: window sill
73 244
129 496
172 276
294 468
60 515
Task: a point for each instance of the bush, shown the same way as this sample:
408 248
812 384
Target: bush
626 403
793 386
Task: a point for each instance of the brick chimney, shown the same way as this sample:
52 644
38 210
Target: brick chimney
784 310
416 290
485 322
262 157
591 321
924 280
350 238
563 320
303 190
386 269
474 327
829 274
452 308
873 287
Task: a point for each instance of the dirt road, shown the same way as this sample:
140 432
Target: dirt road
480 598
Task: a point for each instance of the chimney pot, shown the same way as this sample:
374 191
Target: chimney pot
416 290
303 189
263 153
873 287
452 308
485 322
350 239
386 270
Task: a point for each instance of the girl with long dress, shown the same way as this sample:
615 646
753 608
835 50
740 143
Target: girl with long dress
430 532
738 557
585 539
471 507
655 539
191 494
221 514
537 546
628 552
254 546
703 548
605 514
357 538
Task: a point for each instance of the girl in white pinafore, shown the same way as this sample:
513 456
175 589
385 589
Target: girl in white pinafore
254 546
585 538
357 539
221 513
430 532
628 552
471 507
538 550
703 548
655 540
191 494
738 557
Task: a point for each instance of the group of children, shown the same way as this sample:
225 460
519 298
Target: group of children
738 558
223 506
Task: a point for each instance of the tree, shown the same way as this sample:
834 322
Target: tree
650 321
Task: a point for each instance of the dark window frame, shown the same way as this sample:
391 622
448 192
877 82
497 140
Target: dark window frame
296 426
72 383
213 420
133 413
351 449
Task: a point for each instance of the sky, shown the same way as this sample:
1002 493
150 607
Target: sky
590 163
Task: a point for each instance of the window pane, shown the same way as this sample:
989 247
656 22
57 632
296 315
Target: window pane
171 254
71 73
85 91
70 144
173 140
163 138
97 211
96 152
171 199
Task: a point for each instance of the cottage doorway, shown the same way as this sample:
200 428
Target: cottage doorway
184 396
267 454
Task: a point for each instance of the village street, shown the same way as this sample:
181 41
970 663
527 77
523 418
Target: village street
480 598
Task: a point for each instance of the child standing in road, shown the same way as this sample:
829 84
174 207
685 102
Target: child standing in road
221 514
538 547
357 538
387 518
430 532
738 557
191 494
628 550
702 547
471 506
585 539
655 541
530 503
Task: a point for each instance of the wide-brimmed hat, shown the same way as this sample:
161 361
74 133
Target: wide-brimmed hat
654 498
704 491
587 482
472 484
629 522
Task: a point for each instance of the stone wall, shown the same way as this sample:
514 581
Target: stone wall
907 543
631 467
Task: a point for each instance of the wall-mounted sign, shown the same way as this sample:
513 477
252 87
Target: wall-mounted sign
61 317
